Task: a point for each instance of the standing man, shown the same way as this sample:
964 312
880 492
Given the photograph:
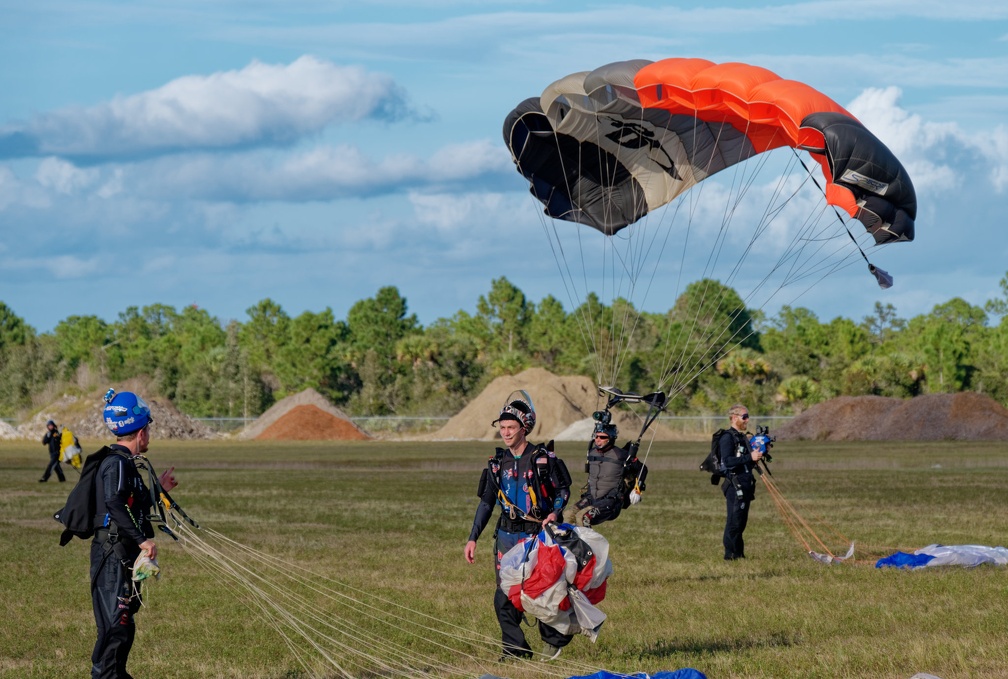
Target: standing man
532 486
739 486
603 496
52 439
123 531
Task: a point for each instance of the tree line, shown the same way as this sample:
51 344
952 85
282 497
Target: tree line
380 360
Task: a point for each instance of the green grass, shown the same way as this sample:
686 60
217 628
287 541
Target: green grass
391 519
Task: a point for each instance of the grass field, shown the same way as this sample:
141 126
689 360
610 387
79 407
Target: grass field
391 519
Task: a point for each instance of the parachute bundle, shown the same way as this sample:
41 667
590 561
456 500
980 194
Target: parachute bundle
558 576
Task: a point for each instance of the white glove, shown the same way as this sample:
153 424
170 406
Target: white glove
635 497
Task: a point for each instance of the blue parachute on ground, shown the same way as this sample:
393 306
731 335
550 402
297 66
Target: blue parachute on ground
684 673
946 555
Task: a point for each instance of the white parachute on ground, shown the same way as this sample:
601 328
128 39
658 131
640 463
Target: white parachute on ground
558 576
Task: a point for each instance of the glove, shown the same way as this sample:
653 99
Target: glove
635 497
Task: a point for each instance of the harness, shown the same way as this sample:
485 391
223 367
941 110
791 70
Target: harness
544 478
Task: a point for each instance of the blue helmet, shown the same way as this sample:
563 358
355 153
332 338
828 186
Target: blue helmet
125 412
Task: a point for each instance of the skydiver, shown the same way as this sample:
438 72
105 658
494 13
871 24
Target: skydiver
52 439
739 486
507 479
605 494
123 532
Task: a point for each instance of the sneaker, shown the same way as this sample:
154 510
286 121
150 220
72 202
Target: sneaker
550 652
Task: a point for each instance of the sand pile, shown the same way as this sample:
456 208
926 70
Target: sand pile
934 417
83 415
564 406
305 416
7 432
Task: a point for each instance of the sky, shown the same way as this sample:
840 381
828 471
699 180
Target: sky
218 153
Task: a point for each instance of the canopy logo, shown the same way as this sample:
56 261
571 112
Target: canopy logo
873 185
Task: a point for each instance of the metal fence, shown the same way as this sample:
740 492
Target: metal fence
686 425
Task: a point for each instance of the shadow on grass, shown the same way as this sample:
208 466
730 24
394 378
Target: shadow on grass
667 649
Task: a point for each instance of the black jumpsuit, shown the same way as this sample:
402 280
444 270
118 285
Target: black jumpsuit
513 476
123 504
52 439
739 488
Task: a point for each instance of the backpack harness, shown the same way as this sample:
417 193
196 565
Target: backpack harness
547 474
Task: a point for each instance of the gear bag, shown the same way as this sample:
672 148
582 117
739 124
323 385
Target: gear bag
78 514
712 464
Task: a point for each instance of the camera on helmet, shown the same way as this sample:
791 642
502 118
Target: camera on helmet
603 417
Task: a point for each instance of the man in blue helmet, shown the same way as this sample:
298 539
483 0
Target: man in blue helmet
123 532
532 486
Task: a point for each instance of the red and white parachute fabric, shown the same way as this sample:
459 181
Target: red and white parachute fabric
558 576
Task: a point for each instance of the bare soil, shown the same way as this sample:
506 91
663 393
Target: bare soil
966 416
310 423
289 419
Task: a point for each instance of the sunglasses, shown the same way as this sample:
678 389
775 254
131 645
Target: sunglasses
603 437
745 417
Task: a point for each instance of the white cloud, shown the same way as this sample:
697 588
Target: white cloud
940 157
63 177
452 213
259 104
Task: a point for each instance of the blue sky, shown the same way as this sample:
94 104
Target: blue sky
218 153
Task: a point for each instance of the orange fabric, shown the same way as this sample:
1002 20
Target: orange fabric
765 107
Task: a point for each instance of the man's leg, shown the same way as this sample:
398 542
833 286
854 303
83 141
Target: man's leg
513 640
731 525
113 611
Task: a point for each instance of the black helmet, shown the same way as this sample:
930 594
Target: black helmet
609 429
519 408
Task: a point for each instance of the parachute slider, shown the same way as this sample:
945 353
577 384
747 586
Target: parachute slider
832 558
655 399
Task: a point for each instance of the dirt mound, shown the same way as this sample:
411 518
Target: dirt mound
295 421
8 432
310 423
84 416
560 402
934 417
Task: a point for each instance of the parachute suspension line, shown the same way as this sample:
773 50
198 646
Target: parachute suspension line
802 530
702 362
882 277
344 642
563 267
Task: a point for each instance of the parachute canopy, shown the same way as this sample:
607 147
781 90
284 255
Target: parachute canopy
947 555
606 147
